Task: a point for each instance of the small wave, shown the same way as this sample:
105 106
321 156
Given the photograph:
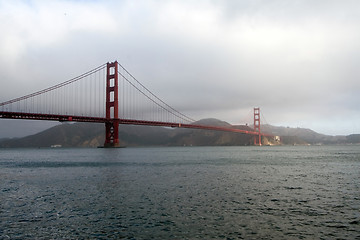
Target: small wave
293 188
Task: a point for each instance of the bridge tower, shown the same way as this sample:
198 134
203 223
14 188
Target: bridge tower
257 138
112 106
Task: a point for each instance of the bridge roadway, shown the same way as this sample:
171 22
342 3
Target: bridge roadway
69 118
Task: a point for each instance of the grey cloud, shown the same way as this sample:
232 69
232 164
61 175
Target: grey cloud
207 58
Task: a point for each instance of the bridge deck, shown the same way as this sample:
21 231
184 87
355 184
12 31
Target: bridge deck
70 118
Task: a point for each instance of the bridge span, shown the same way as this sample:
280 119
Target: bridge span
108 94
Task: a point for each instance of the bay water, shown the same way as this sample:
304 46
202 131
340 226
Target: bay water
283 192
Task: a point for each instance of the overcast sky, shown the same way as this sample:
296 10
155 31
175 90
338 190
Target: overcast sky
299 60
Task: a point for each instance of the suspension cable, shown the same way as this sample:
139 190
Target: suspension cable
184 117
55 86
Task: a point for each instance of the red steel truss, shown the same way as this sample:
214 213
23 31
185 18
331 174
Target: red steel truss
68 118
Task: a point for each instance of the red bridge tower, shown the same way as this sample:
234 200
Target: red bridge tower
112 106
257 138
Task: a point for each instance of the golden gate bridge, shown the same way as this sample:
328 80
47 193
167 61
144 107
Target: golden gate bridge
112 95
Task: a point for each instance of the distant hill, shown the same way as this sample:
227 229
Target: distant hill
93 135
353 138
305 136
68 135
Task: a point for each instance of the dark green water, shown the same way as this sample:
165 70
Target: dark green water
181 193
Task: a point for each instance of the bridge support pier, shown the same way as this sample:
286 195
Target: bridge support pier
112 106
112 134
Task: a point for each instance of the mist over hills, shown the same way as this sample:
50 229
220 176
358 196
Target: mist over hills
308 136
93 135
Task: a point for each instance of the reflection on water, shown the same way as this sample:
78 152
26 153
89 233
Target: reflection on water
181 193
